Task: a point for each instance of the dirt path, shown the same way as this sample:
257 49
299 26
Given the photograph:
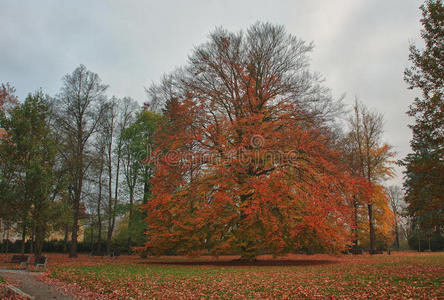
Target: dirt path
27 282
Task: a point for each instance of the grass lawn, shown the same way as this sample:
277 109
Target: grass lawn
403 275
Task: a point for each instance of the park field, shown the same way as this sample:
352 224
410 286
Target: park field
400 275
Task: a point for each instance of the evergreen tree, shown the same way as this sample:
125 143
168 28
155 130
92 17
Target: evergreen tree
424 183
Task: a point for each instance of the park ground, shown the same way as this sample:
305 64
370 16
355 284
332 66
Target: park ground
402 275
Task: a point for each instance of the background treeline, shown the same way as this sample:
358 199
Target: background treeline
75 161
80 159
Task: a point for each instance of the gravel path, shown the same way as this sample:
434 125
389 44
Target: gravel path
27 282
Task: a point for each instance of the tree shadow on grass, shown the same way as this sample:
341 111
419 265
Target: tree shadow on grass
240 263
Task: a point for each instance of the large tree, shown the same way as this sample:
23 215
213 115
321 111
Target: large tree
119 116
79 109
28 165
424 184
245 160
7 101
369 159
137 144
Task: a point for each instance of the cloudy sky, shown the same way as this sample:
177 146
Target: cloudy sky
361 46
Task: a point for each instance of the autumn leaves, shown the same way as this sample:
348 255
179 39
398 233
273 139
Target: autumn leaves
258 167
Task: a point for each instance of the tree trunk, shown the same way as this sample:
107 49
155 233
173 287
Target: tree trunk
372 230
99 215
113 221
355 220
419 244
74 234
78 177
39 239
110 188
116 185
31 244
146 191
99 237
7 239
110 208
130 216
65 239
396 235
248 253
22 249
75 225
92 239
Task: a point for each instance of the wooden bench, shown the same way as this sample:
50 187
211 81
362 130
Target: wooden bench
39 261
356 251
20 260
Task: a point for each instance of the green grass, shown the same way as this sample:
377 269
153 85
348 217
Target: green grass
128 270
2 280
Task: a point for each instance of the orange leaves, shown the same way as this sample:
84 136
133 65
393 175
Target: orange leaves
245 185
244 163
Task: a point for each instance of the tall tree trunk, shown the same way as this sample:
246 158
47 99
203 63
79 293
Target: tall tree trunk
22 248
7 240
65 239
116 185
396 233
92 239
99 204
130 216
109 149
31 244
78 185
39 237
113 221
116 190
74 234
76 217
146 186
110 205
372 229
355 221
419 243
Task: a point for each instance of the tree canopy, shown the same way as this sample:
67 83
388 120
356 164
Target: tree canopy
246 162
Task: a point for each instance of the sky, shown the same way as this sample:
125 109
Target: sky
361 46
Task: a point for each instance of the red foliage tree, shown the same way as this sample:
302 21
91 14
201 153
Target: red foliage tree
245 160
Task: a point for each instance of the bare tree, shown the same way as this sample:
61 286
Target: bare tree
265 58
119 115
128 108
98 178
397 204
370 155
79 111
